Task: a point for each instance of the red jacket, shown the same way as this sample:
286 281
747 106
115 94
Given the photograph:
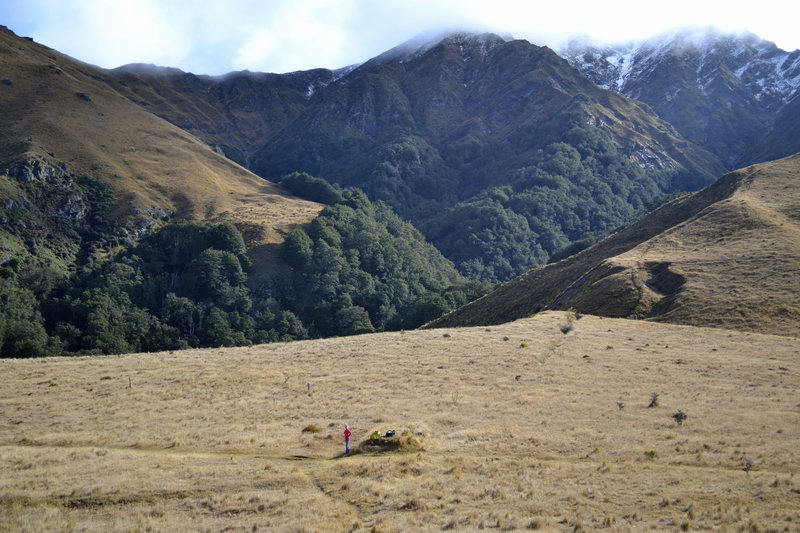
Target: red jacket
347 434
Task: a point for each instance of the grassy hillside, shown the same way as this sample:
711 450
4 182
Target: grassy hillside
725 256
514 427
61 114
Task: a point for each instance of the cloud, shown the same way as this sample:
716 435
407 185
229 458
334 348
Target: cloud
109 32
296 36
214 37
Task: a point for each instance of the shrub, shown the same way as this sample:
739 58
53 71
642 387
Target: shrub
679 416
311 188
653 400
311 428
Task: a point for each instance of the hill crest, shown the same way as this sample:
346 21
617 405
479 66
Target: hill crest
726 256
67 118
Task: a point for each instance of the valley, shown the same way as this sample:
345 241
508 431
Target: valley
601 246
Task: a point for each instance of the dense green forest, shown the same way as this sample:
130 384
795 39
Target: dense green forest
357 269
499 207
568 192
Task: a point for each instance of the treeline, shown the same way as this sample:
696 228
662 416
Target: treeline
358 269
494 206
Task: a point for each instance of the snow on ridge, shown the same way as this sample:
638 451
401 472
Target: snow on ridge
758 63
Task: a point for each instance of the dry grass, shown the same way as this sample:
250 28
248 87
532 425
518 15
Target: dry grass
727 256
63 111
509 437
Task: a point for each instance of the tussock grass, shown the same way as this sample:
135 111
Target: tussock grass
209 439
727 256
148 161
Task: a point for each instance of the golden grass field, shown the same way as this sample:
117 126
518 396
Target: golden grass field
518 427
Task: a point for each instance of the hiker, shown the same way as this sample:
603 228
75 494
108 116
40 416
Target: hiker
347 434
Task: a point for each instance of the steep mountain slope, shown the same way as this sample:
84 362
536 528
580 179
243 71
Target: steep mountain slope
236 113
117 232
466 96
722 91
784 138
726 256
433 126
64 120
426 127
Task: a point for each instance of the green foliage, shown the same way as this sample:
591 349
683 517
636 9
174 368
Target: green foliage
573 248
361 269
58 222
22 333
311 188
494 207
358 269
565 194
182 286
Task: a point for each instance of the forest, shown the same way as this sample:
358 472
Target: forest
358 268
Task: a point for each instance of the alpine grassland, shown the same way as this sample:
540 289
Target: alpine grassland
554 436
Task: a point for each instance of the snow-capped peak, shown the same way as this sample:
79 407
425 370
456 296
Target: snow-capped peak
767 71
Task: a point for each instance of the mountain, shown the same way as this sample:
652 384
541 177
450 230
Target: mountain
726 256
723 91
235 113
432 129
67 123
122 232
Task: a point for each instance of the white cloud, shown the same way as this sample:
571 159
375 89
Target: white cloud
214 37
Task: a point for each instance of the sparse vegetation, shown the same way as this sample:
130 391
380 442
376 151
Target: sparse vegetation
653 400
206 438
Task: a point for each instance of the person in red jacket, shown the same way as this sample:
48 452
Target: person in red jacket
347 434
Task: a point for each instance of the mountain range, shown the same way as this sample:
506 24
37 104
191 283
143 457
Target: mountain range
430 127
503 154
433 126
732 93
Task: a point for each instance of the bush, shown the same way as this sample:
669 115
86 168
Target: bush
311 188
407 442
679 416
653 400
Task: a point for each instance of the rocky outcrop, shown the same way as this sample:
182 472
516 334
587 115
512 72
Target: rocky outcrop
722 91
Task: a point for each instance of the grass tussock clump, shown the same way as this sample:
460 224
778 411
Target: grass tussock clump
407 442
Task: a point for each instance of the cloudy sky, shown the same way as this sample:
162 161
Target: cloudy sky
215 36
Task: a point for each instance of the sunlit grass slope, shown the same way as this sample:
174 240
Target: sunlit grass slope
727 256
540 423
60 111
